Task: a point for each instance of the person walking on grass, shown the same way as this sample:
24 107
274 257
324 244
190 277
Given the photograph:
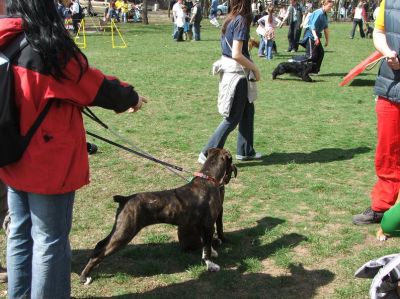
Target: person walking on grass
359 20
294 15
237 94
195 19
42 184
317 24
387 88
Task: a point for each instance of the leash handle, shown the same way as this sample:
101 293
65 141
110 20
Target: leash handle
372 64
135 152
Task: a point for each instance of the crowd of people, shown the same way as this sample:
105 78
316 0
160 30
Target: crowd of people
186 20
40 206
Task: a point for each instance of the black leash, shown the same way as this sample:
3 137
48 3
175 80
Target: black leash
137 151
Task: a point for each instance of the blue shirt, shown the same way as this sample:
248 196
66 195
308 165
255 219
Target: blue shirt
214 4
237 29
318 21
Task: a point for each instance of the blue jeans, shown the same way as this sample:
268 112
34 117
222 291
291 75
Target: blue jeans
261 47
269 45
38 249
242 113
196 30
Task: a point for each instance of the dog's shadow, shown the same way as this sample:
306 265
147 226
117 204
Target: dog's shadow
167 258
298 283
324 155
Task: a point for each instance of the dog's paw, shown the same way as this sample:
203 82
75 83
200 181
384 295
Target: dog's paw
212 267
381 237
214 253
87 281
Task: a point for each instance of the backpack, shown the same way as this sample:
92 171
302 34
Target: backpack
13 144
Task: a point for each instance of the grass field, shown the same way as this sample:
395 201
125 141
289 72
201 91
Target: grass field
287 217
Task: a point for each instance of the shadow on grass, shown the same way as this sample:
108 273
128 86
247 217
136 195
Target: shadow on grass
324 155
243 245
299 283
361 82
236 279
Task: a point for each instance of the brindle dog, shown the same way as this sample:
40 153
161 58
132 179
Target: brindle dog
194 208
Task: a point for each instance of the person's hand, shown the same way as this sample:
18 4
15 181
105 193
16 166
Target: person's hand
257 74
393 60
139 105
326 43
317 41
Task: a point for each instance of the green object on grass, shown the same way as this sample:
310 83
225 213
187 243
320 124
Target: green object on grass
391 221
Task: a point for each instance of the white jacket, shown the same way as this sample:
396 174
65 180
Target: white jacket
230 73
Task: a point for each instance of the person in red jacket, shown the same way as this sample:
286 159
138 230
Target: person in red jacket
43 182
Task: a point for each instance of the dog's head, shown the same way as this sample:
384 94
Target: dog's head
219 165
253 43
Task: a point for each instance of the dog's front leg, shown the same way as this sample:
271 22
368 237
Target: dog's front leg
208 251
220 228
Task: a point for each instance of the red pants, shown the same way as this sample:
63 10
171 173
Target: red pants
387 157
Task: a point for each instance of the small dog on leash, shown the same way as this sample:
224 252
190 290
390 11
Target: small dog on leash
299 69
253 43
195 208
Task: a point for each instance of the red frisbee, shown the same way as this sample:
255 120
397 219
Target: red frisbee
360 67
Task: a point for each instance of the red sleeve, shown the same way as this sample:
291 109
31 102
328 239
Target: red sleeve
92 89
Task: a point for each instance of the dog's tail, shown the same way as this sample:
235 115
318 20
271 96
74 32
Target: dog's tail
121 199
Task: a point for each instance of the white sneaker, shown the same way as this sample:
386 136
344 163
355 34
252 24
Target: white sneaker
202 158
256 156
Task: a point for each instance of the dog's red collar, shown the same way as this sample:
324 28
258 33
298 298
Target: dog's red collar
207 177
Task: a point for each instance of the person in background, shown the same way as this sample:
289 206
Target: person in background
269 22
42 184
195 19
124 11
214 13
294 15
385 192
359 20
76 15
176 11
312 37
62 11
236 102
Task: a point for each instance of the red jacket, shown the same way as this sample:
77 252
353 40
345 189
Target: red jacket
56 160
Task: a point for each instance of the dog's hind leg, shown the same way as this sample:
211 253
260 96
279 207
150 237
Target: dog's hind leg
208 251
119 237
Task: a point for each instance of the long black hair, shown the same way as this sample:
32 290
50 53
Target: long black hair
238 7
46 33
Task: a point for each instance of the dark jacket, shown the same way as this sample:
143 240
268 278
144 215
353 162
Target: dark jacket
387 83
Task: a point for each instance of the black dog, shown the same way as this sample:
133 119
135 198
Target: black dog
299 69
195 208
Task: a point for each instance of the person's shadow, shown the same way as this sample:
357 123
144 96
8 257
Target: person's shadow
324 155
236 256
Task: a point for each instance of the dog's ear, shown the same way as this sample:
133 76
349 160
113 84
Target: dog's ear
212 151
228 175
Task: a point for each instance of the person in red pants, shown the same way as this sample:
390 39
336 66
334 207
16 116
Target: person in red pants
387 87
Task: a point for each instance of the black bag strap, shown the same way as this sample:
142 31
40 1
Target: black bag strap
12 49
16 46
38 120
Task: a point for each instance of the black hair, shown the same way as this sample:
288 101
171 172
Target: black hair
46 33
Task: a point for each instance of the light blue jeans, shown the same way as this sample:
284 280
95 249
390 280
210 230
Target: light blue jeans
242 114
38 249
268 45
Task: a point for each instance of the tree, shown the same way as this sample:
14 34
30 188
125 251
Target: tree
144 13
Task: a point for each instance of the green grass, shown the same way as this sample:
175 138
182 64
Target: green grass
287 217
